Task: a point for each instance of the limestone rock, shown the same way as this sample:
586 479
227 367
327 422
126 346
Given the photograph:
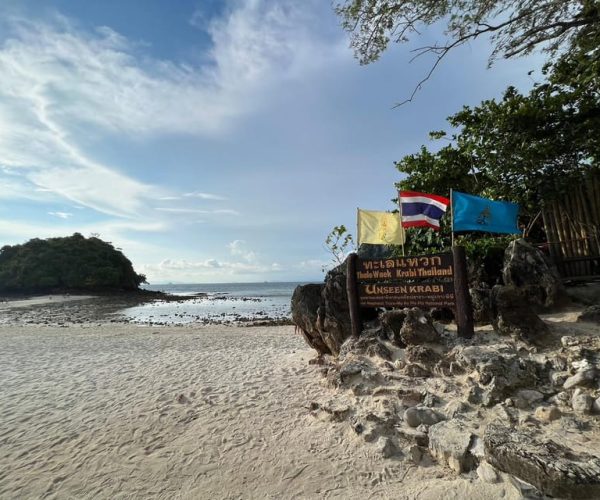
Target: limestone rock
581 402
449 442
415 454
558 378
552 468
482 305
562 399
513 315
367 344
392 322
547 413
334 313
418 437
321 312
583 377
418 328
528 268
500 369
386 447
454 408
587 294
418 415
525 398
421 354
305 304
590 314
416 370
487 473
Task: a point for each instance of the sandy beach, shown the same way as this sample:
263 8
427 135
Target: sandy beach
125 411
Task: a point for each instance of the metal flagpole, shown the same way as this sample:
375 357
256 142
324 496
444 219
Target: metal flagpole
451 218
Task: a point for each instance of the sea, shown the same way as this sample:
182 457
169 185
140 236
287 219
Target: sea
223 303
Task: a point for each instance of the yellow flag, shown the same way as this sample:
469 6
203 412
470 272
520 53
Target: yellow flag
379 228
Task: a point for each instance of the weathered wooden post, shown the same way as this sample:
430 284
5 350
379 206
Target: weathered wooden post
352 292
464 309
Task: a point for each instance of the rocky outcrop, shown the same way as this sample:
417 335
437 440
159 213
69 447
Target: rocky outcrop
333 314
321 312
306 301
482 304
513 315
527 268
550 467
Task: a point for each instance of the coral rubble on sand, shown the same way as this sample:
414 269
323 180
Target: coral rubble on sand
519 402
490 404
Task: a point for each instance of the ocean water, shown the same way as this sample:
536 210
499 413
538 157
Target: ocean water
224 303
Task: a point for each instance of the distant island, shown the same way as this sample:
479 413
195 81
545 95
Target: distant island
73 263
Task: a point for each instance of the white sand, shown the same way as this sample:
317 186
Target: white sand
136 412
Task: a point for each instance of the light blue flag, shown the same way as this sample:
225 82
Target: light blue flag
472 213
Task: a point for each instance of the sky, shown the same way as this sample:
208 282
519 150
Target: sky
212 140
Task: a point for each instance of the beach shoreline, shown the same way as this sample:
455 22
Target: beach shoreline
67 309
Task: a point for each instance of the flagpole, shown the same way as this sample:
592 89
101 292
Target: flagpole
401 226
451 219
357 228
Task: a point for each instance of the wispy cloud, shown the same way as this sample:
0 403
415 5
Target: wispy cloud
205 196
61 215
58 80
178 210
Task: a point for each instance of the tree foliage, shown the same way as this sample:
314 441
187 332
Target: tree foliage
516 27
74 262
339 243
527 148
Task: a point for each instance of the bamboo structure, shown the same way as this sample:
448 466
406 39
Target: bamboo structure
572 225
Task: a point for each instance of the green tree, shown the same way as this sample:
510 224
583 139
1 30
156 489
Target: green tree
528 148
339 243
515 27
73 262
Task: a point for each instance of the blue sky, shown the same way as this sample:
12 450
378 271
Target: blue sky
213 141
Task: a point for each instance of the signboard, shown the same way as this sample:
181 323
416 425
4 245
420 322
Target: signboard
425 294
425 266
400 282
425 281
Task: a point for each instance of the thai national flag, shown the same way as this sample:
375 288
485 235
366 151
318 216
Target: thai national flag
420 209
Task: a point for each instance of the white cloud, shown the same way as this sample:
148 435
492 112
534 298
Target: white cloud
184 270
61 215
239 248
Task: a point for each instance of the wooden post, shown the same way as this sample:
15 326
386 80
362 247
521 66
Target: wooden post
464 309
352 291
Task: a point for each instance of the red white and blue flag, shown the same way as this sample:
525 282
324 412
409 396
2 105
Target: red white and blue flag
421 209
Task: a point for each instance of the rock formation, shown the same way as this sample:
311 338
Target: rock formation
518 404
527 268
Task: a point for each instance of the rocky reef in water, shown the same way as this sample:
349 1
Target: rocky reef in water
519 402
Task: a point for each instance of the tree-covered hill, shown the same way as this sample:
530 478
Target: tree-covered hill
73 262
